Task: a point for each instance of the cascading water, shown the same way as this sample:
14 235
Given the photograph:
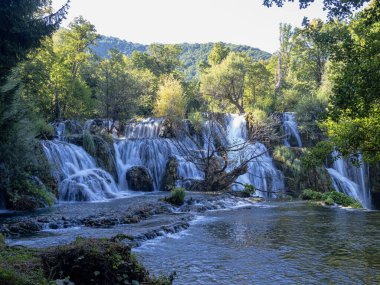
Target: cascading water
78 177
351 180
144 147
262 173
292 136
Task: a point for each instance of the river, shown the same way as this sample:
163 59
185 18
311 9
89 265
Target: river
272 243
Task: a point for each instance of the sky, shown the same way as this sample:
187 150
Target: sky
245 22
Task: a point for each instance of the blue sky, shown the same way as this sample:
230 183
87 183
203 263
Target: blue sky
194 21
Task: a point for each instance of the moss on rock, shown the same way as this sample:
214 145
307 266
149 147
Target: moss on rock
85 261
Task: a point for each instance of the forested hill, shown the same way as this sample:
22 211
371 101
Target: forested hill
191 54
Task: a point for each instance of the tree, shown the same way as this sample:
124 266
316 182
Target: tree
224 83
23 25
170 100
220 160
218 53
54 72
286 32
124 91
160 59
353 125
335 8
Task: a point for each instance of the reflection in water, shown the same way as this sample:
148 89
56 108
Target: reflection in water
293 243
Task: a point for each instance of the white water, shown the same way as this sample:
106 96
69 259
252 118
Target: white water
262 173
351 180
291 129
143 146
79 179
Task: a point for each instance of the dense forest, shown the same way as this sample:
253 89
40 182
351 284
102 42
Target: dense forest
190 56
326 72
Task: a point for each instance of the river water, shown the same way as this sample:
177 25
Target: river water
276 243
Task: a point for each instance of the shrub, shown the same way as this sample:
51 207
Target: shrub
177 196
89 143
249 189
43 130
340 199
309 194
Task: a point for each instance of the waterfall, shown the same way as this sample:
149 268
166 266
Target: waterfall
143 146
262 173
79 178
291 130
77 175
351 180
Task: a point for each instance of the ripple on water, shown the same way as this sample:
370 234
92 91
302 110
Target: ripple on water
291 243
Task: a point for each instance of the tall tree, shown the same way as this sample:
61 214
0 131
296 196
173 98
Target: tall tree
224 84
23 24
218 53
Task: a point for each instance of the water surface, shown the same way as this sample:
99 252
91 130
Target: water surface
277 243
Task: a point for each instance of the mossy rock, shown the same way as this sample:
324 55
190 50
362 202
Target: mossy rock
139 179
85 261
100 147
170 175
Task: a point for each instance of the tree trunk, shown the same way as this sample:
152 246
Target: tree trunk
57 105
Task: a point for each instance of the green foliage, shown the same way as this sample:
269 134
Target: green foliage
2 241
353 124
330 198
335 8
20 266
170 100
43 130
89 143
196 120
22 27
309 194
218 53
310 111
85 261
177 196
249 189
191 55
317 155
223 85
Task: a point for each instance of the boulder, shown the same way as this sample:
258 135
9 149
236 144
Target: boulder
167 129
139 179
170 175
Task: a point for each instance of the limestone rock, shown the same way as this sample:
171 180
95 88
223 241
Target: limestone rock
139 179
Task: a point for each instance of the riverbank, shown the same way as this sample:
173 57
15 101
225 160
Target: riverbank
141 217
59 242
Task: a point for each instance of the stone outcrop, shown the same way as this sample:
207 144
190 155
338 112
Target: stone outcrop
139 179
170 175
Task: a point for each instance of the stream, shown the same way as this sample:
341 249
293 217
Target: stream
272 243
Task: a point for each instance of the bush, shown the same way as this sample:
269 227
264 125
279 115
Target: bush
340 199
88 143
249 189
309 194
177 196
85 261
44 130
330 198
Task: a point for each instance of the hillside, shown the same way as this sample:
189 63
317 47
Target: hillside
191 54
